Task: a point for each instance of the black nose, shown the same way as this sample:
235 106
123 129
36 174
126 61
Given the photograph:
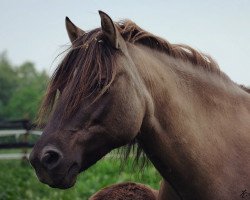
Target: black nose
51 157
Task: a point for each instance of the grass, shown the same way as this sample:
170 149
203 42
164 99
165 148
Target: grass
19 182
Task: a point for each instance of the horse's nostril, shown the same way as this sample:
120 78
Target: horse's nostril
51 158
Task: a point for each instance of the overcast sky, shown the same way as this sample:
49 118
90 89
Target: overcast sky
34 30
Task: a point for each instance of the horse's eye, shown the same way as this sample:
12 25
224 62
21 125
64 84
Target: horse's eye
73 130
95 121
101 83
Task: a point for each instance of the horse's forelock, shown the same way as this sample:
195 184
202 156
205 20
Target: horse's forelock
93 60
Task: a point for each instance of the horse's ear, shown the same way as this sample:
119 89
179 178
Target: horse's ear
73 31
110 30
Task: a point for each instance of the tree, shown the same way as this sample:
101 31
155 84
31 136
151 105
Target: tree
21 89
7 81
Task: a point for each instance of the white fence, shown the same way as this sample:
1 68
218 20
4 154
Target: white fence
14 156
17 133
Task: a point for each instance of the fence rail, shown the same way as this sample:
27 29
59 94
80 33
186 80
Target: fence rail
17 128
18 132
10 156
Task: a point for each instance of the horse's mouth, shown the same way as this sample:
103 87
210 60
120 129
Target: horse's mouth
64 182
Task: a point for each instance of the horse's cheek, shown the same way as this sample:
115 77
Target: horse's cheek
130 119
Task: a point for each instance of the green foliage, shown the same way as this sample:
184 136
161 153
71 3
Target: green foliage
18 180
21 89
7 80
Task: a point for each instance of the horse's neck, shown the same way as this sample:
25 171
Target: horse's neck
179 134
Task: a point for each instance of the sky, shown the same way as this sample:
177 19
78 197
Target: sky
32 30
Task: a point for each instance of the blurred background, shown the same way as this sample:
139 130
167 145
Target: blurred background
33 34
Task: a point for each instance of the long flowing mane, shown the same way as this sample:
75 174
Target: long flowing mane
134 34
89 66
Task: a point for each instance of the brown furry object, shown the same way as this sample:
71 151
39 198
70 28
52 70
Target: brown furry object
126 191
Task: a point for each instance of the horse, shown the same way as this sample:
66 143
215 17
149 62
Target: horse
126 191
118 85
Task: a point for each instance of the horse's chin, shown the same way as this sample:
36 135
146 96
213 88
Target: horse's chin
64 185
64 182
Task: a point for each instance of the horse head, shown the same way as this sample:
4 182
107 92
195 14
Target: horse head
93 103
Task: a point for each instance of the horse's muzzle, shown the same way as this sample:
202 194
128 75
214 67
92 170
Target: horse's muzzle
52 169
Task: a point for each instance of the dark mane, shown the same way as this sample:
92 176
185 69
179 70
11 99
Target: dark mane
88 67
134 34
